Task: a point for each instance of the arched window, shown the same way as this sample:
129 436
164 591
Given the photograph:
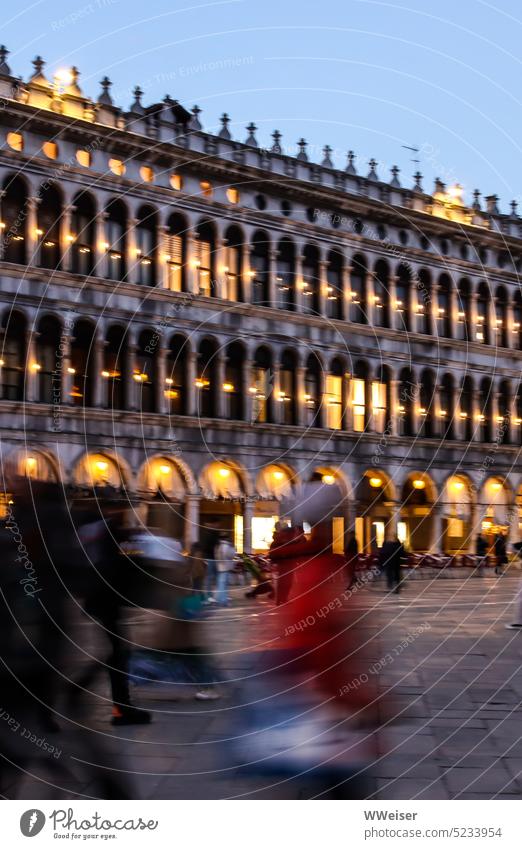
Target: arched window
83 234
260 268
313 393
359 396
233 270
463 314
424 299
176 379
447 407
82 364
233 385
444 306
427 404
204 249
49 376
334 290
14 217
176 252
285 277
262 385
206 379
146 246
12 356
335 395
145 375
403 287
483 330
517 321
49 213
502 427
408 396
311 280
114 368
116 230
466 408
381 286
380 398
485 410
358 290
501 324
287 388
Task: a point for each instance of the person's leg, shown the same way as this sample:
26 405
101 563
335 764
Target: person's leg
211 578
222 584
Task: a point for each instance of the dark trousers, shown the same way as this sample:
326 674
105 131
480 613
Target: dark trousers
117 663
393 575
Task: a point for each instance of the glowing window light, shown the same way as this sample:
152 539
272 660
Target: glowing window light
418 483
328 479
101 465
376 483
224 472
228 387
278 475
458 485
165 470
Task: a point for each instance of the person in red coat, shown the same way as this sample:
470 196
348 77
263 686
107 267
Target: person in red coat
288 547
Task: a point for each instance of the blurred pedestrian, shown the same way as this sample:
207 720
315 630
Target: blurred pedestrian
351 553
287 547
209 541
224 556
501 558
482 553
197 569
391 558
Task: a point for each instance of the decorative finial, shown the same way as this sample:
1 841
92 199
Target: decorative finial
440 187
514 209
38 64
395 171
75 74
224 132
372 174
302 155
105 99
476 201
418 182
251 140
276 147
4 67
350 168
136 107
195 123
327 161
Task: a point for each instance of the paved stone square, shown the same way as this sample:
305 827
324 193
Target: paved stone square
449 715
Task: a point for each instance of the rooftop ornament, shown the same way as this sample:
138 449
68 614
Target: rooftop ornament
350 167
327 161
251 139
395 171
372 174
302 155
224 132
276 147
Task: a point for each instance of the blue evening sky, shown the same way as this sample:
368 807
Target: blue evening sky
355 74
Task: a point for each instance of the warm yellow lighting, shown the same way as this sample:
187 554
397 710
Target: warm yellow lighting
105 374
176 181
117 167
36 366
167 257
146 174
398 306
463 415
423 411
169 380
201 382
518 421
233 195
486 525
83 158
454 193
442 413
2 363
63 76
71 370
105 246
39 232
481 417
171 394
419 484
375 482
278 476
458 485
15 141
496 486
165 470
252 390
228 387
328 479
441 310
224 472
30 465
50 149
70 237
140 377
101 465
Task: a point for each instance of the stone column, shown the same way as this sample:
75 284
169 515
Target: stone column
161 402
370 298
31 373
191 524
131 399
472 318
475 412
392 296
162 268
98 384
347 404
393 414
272 274
66 376
277 404
191 273
346 292
434 312
246 377
67 238
248 514
190 389
220 377
322 286
33 239
298 282
391 527
496 425
245 275
219 268
453 310
132 258
300 388
101 258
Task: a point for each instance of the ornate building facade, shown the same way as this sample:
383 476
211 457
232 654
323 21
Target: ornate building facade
208 323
